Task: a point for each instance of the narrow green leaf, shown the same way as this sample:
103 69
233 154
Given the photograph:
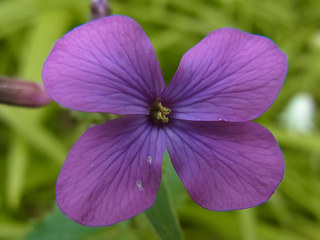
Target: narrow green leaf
11 229
247 223
23 122
163 218
14 15
16 169
271 232
295 140
50 26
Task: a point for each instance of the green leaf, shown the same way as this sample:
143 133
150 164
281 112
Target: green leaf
162 216
57 226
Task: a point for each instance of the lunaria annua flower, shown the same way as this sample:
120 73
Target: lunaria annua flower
203 118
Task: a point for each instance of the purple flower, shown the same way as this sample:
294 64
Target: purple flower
203 118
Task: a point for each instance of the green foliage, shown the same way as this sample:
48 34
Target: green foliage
57 226
35 142
162 216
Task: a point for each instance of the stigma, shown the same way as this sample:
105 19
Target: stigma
159 113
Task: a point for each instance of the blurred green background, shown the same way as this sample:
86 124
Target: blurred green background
34 142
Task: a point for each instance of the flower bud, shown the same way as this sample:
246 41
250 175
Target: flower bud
99 8
22 93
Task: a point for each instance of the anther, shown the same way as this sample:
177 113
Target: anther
158 113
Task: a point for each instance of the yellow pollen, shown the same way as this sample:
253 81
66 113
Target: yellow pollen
159 113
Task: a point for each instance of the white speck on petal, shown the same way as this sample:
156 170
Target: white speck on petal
221 120
149 159
139 184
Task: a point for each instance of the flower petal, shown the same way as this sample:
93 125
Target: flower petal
230 75
107 65
112 173
225 166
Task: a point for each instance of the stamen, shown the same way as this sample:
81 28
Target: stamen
158 113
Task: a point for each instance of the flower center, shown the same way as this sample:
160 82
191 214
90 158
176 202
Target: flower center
159 113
